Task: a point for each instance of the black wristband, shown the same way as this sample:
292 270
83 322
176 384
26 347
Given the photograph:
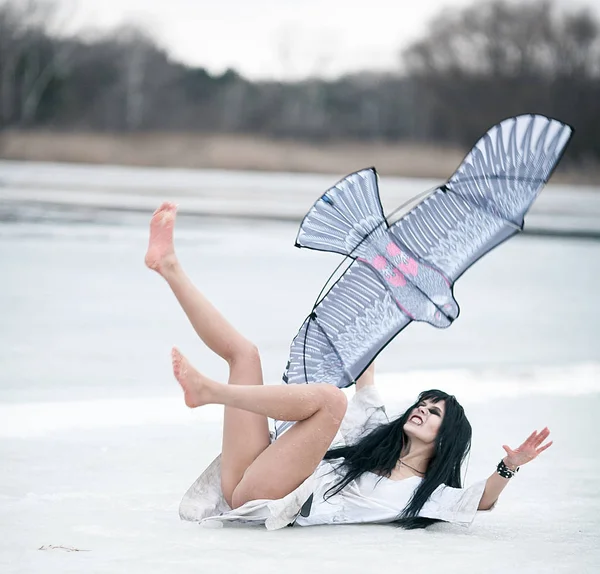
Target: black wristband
504 471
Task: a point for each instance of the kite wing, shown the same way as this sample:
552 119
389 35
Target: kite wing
405 271
485 201
336 342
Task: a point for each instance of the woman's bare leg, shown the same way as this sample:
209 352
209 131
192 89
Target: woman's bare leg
245 434
285 464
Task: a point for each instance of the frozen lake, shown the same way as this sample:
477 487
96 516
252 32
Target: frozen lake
97 447
77 188
83 317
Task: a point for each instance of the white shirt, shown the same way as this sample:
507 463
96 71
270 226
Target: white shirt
376 499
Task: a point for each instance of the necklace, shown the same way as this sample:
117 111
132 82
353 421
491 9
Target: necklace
401 462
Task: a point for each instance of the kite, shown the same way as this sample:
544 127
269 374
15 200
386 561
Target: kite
405 271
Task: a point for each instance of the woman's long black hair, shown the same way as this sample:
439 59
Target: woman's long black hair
380 450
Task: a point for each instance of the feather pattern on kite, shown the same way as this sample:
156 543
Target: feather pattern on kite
405 271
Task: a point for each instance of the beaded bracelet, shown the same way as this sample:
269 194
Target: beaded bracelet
504 471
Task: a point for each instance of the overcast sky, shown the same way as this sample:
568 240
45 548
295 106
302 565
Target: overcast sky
283 39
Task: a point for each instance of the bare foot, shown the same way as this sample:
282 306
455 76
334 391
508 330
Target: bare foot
161 252
194 385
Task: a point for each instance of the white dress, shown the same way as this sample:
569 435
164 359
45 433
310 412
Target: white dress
368 499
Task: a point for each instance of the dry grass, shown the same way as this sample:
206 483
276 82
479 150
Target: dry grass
241 152
228 152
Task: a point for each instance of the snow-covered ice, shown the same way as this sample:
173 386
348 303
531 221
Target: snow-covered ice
97 447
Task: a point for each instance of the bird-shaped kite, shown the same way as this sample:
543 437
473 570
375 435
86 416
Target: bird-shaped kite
406 271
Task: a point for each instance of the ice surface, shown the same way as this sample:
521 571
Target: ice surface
112 489
97 448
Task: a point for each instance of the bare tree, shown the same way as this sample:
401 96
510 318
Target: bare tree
12 46
500 58
472 68
135 47
29 58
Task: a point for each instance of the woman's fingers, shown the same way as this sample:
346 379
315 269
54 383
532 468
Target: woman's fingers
531 438
536 438
531 448
543 448
542 436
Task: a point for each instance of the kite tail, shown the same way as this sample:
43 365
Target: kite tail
345 216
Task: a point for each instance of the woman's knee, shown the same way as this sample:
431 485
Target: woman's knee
335 401
243 355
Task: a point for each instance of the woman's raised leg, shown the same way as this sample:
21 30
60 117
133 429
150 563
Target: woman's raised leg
285 464
245 434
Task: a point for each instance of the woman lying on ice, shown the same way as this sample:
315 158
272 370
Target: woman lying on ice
406 471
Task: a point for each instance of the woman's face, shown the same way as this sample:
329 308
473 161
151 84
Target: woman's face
425 420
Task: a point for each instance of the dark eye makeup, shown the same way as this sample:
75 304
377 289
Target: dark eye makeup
432 410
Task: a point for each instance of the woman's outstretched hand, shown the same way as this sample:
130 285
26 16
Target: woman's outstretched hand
529 450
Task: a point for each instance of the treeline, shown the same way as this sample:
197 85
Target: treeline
471 69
